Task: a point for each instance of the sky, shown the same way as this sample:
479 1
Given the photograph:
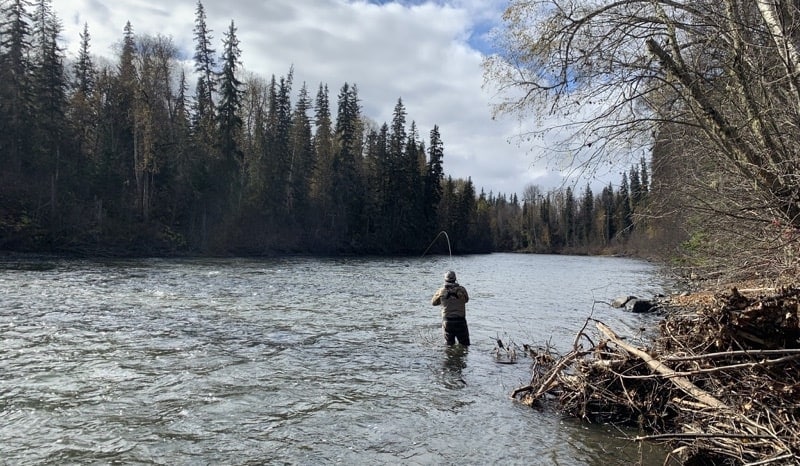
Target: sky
428 53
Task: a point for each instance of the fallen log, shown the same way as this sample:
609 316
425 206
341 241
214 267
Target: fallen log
727 354
713 395
657 366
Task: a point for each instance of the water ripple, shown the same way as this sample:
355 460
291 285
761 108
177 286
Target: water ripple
294 361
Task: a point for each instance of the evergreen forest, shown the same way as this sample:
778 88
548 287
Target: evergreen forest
141 155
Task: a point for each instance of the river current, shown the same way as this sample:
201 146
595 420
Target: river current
297 360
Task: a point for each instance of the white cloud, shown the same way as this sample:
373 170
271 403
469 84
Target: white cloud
419 51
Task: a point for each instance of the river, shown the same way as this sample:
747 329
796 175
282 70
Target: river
297 360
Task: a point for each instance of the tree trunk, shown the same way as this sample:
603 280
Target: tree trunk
785 46
657 366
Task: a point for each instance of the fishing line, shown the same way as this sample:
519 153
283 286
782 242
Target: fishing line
434 240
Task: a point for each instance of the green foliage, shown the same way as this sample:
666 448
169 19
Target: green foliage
696 242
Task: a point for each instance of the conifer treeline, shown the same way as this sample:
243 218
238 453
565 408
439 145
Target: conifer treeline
562 221
122 158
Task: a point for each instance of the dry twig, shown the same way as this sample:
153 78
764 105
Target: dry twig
721 398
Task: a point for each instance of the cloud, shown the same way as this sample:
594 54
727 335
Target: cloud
428 53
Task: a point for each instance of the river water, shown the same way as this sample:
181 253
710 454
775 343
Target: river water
297 360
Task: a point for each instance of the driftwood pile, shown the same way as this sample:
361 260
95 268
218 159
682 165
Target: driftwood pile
720 384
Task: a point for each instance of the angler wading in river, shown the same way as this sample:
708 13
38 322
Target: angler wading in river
453 299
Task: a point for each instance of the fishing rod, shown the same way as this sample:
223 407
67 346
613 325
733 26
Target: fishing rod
434 240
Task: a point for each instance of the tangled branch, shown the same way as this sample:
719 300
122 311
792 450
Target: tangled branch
719 383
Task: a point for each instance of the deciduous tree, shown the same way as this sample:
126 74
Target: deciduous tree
720 76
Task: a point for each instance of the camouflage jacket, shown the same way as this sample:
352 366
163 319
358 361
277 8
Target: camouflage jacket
453 299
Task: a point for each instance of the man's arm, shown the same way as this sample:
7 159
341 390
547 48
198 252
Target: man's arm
437 298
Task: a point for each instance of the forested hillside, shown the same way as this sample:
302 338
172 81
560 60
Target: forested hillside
144 153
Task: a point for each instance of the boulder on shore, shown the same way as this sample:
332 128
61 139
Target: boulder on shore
640 305
621 301
634 304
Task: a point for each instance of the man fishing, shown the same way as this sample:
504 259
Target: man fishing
453 299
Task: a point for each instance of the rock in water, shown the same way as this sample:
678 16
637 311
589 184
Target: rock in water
621 301
639 305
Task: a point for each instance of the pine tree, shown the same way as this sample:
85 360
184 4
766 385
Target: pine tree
348 194
480 228
15 88
397 187
397 135
118 155
84 70
378 178
275 157
623 214
609 214
49 105
281 108
301 166
644 177
183 167
204 58
230 104
434 177
548 221
84 104
322 184
205 65
410 192
50 83
568 218
636 194
464 212
447 208
587 217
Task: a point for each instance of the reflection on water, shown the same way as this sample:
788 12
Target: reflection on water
455 361
294 360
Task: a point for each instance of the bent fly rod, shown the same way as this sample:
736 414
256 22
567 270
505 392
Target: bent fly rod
450 251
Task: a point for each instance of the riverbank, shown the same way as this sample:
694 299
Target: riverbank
719 383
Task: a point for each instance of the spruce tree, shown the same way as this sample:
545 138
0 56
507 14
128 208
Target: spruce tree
412 190
83 105
609 214
623 212
302 160
348 192
434 177
229 120
636 194
205 66
378 178
184 189
395 203
322 183
84 69
281 127
397 135
644 178
15 88
587 215
49 103
568 219
119 154
463 213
